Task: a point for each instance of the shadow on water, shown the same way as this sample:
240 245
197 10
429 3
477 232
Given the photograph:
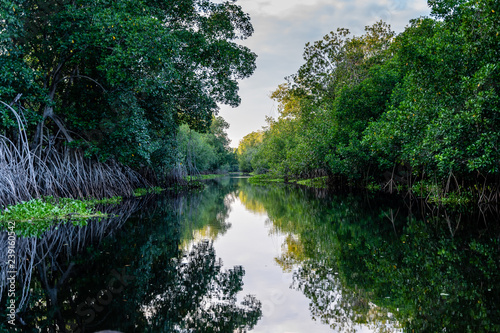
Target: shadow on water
374 261
133 274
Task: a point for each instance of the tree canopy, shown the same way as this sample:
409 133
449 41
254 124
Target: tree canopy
117 78
420 106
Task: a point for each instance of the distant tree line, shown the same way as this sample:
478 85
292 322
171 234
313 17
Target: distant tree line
419 109
206 152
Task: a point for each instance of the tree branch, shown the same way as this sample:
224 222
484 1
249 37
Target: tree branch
84 77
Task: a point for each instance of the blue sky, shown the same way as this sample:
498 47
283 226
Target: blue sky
282 28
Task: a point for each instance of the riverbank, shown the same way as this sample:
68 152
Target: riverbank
34 216
430 192
319 182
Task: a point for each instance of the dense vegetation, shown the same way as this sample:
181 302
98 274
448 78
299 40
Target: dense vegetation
204 152
111 82
417 110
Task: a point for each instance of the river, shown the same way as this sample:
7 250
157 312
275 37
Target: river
237 257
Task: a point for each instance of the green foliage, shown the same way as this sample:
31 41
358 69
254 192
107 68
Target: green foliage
339 60
206 177
452 199
209 151
216 136
443 118
197 154
435 193
373 187
247 151
33 217
117 78
320 182
355 106
345 83
421 105
264 179
139 192
104 201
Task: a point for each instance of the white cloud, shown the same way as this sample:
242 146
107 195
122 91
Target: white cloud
278 8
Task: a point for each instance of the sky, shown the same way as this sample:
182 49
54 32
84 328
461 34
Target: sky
282 28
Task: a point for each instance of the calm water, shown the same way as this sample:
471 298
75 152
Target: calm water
237 257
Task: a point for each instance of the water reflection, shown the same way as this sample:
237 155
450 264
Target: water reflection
358 263
199 295
50 258
372 262
139 279
204 215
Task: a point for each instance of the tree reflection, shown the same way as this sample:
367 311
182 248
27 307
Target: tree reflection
292 254
343 309
46 262
374 262
139 280
204 214
199 295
